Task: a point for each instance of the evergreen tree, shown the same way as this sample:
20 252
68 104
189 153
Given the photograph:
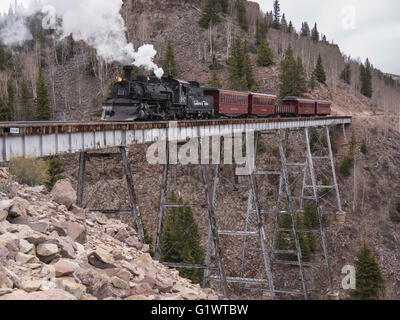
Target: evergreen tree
26 102
370 281
346 74
242 15
11 98
319 71
366 79
288 74
324 38
214 82
4 57
285 239
43 112
315 33
284 22
301 81
224 4
290 27
181 240
265 57
276 15
5 112
261 31
241 73
210 14
313 81
169 63
305 30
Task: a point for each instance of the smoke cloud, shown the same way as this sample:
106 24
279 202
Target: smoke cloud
97 22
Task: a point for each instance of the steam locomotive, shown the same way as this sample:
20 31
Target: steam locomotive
150 98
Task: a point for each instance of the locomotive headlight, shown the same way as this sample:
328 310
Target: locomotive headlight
119 79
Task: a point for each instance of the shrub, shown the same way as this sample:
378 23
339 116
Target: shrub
364 147
55 170
30 171
7 188
346 165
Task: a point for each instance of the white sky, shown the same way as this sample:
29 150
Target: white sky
376 34
377 26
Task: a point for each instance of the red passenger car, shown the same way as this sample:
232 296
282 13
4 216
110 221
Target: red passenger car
262 105
292 106
229 103
323 107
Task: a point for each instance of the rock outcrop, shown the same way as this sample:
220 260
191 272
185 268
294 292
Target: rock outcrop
50 253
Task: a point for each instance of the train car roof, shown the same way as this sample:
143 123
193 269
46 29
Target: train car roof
226 90
298 99
263 94
323 101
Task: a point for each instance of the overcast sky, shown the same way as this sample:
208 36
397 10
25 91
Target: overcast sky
375 32
362 28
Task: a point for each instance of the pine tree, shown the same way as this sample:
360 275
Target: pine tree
313 81
4 57
11 98
300 79
242 15
214 82
303 240
5 112
43 112
290 27
276 15
210 14
366 79
265 57
324 38
319 71
224 4
305 30
181 240
26 102
288 74
370 281
261 31
284 22
315 33
241 72
169 63
346 74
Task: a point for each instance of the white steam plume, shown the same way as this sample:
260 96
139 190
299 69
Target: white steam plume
98 23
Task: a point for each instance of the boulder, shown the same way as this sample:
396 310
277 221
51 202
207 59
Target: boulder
18 209
65 267
3 215
119 283
142 288
35 238
25 246
6 204
73 230
30 285
71 286
101 259
23 258
63 193
122 234
134 243
51 294
47 249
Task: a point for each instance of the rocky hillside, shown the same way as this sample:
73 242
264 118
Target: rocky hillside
52 250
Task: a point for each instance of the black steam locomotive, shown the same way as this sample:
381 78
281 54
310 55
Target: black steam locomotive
150 98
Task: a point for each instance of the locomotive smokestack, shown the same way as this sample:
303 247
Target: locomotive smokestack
128 73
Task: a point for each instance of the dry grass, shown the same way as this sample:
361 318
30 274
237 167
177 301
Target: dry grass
30 171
